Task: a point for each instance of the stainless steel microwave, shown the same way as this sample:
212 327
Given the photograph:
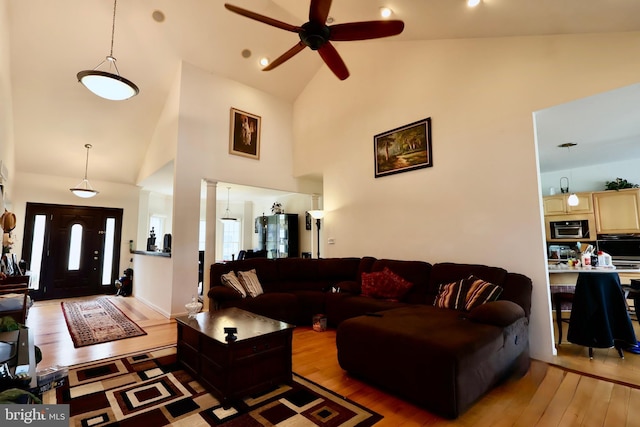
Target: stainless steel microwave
569 229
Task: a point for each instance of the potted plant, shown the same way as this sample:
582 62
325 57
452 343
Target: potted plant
276 208
619 184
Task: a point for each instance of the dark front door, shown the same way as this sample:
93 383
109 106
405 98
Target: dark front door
72 250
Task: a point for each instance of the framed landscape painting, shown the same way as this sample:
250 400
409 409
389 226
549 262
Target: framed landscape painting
244 139
403 149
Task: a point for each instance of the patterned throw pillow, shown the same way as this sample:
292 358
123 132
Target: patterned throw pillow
385 284
249 280
230 280
480 292
466 294
451 295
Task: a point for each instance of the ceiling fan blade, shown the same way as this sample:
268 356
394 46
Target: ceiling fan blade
285 56
262 18
365 30
319 10
331 57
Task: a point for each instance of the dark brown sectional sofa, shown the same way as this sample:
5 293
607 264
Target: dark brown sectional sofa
442 359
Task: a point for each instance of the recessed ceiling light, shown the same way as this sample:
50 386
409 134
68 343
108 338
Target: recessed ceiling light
158 16
264 61
473 3
385 12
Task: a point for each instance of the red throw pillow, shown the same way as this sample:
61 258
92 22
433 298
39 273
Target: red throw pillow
395 287
370 282
385 284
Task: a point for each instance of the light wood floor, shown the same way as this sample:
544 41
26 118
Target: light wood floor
546 396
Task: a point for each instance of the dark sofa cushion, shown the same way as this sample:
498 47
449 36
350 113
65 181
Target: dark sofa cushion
498 313
315 274
444 369
341 306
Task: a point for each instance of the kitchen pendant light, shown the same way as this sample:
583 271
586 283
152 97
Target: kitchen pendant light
84 189
106 84
227 214
572 200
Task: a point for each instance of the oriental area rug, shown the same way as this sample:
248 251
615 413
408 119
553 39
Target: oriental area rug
96 321
151 389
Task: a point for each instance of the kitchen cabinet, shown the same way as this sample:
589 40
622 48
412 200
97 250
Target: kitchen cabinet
617 211
558 205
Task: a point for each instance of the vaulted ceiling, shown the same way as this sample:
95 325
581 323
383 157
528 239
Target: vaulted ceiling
51 41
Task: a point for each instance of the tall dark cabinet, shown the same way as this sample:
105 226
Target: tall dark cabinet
278 234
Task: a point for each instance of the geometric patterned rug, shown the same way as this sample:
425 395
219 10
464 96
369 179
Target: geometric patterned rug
150 389
96 321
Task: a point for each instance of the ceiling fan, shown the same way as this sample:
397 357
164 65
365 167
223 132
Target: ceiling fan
316 35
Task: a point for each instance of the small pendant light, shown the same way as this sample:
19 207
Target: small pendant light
84 189
227 214
572 200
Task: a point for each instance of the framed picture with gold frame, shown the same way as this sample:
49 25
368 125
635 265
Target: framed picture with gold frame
403 149
244 134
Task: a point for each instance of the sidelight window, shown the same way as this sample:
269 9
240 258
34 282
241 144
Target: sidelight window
37 249
109 239
75 247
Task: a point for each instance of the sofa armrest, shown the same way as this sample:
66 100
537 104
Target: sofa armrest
498 313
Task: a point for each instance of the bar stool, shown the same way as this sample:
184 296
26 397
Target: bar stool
560 300
632 294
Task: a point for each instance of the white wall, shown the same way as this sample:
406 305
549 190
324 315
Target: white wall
480 202
7 151
592 178
203 153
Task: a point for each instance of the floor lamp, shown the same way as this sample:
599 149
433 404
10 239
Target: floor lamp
317 215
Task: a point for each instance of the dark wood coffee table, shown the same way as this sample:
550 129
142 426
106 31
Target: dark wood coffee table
260 357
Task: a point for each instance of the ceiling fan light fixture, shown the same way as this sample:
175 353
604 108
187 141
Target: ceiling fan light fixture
84 188
317 35
106 84
264 61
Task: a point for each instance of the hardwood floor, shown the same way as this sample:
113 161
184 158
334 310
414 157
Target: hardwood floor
608 393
